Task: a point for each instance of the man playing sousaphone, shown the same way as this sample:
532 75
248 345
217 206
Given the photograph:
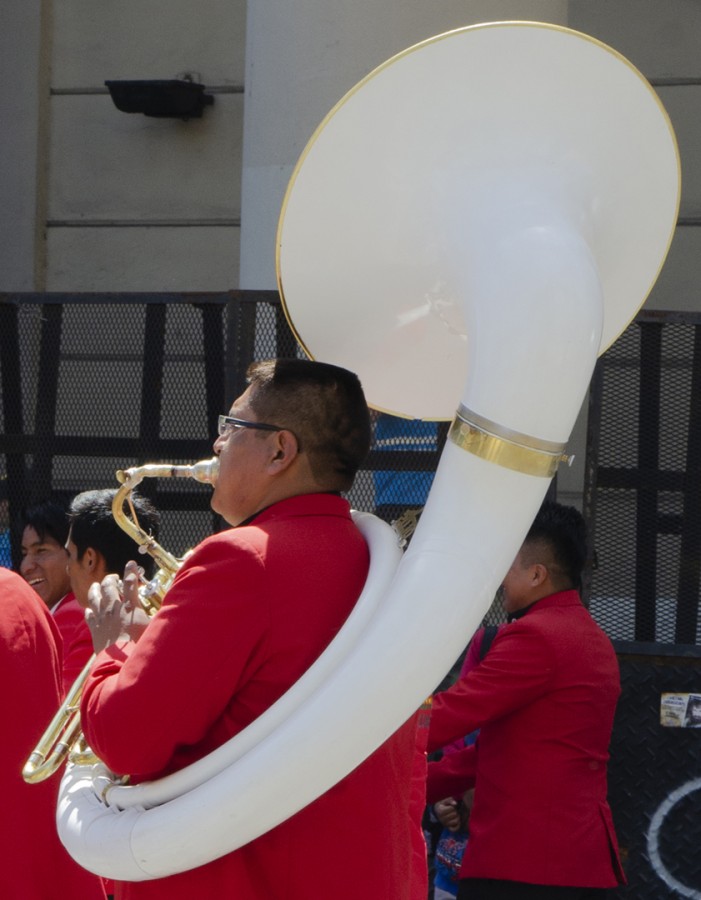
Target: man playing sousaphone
248 613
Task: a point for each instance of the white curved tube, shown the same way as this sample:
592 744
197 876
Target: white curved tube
384 559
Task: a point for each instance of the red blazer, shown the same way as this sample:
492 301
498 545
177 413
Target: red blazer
69 617
544 698
33 863
248 613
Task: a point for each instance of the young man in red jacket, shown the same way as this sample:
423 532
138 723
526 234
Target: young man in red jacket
44 567
248 613
544 698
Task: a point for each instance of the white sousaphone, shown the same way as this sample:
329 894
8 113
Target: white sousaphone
473 224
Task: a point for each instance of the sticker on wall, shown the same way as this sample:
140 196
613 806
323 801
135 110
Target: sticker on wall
680 710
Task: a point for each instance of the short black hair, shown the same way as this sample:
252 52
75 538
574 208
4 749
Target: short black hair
562 532
49 518
324 406
92 525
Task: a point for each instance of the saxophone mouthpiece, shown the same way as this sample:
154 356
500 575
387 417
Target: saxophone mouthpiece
206 470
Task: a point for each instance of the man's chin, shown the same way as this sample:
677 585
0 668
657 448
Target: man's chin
215 507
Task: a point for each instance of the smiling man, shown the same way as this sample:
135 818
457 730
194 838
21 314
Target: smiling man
249 612
44 567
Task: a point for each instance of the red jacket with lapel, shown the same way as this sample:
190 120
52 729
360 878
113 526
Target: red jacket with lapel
544 698
69 617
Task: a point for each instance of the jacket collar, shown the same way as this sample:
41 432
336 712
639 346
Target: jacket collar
331 504
561 599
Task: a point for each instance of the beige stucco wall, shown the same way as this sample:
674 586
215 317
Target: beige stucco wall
664 41
21 74
123 202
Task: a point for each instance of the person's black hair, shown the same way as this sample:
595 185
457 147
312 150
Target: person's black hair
92 525
563 531
324 406
48 518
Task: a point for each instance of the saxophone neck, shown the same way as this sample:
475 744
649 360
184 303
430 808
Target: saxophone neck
205 471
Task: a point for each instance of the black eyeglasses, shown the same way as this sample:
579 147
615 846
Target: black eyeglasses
226 425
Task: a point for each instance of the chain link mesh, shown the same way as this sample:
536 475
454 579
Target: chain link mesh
642 492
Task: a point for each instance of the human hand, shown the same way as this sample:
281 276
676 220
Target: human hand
114 612
447 813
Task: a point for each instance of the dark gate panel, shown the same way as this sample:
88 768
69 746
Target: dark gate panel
95 383
92 383
643 505
643 491
655 775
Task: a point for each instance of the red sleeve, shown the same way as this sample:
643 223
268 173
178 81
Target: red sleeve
76 654
472 656
516 670
472 659
142 701
452 775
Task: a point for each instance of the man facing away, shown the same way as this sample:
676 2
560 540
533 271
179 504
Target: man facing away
97 546
249 612
544 698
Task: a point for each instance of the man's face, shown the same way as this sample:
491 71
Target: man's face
80 573
517 585
43 566
244 454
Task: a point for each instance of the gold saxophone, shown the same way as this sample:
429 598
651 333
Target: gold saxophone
63 738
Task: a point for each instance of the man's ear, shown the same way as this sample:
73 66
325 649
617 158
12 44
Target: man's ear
285 451
95 563
540 574
89 559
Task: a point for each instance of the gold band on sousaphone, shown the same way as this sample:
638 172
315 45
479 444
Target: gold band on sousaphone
504 447
63 738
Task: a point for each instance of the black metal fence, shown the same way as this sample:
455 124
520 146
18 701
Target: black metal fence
642 501
643 491
95 383
92 383
655 771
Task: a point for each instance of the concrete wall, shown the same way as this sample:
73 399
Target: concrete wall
664 41
23 68
124 202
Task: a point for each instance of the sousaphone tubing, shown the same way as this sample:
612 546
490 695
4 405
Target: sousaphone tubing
468 229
